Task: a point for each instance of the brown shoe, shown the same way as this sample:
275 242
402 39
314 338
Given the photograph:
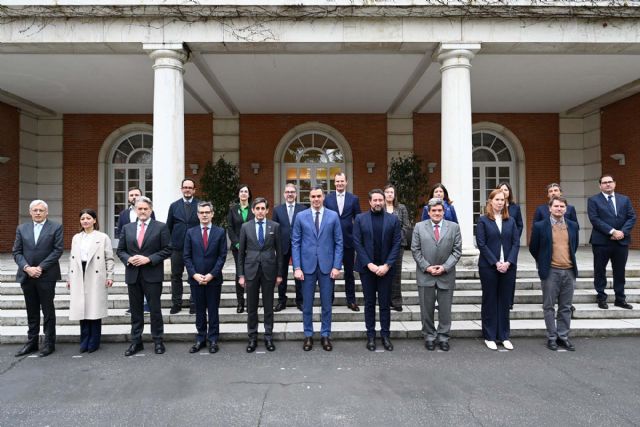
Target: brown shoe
308 344
326 343
353 307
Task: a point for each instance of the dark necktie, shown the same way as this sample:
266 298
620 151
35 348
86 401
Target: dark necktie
260 233
611 205
187 210
205 237
436 232
317 222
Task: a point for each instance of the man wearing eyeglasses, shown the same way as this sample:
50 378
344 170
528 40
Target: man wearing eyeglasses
612 218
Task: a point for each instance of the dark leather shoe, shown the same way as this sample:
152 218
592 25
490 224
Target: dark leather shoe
240 308
430 345
92 349
623 304
159 348
84 349
299 307
444 345
573 310
175 309
251 347
47 349
552 345
566 344
268 344
386 343
396 308
326 343
199 345
192 309
308 344
133 349
353 307
603 305
28 348
280 306
371 344
213 347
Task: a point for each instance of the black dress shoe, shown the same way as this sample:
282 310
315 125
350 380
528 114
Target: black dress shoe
133 349
268 344
308 344
92 349
83 349
603 305
299 307
552 345
28 348
430 345
353 306
251 347
371 344
213 348
280 306
396 307
444 345
386 343
47 349
566 344
175 309
192 309
623 304
159 348
199 345
326 343
240 308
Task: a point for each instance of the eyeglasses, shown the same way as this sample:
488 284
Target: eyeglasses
204 213
606 182
188 188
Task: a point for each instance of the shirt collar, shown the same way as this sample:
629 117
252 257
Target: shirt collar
145 222
607 195
202 226
321 210
554 222
39 223
341 194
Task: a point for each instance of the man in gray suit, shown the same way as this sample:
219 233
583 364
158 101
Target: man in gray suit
259 266
36 250
436 246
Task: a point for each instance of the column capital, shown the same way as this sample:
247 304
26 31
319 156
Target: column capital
461 52
167 55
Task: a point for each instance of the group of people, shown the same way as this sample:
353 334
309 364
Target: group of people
330 235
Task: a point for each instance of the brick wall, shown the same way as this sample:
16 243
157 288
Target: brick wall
9 175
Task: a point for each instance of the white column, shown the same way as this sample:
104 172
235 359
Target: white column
456 161
168 124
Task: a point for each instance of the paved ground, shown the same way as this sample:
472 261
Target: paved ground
597 385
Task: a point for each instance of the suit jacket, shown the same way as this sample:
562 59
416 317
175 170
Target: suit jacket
251 255
199 260
124 219
234 223
542 212
178 223
427 251
541 246
363 240
156 245
349 211
603 219
489 240
516 214
45 253
323 250
281 216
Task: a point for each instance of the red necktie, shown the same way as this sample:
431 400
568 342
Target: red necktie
436 232
205 237
141 234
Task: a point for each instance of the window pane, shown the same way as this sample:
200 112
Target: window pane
491 185
475 140
118 185
125 147
504 174
141 157
136 141
311 156
490 172
504 155
134 176
483 155
487 139
118 158
498 145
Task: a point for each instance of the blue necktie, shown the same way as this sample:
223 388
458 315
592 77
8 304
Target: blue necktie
317 222
611 205
260 234
36 232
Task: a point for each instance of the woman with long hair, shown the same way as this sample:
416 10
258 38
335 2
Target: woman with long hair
439 191
398 209
238 214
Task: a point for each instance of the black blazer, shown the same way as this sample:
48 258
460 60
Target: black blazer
603 219
281 216
516 214
178 223
199 260
45 253
156 246
251 255
124 219
234 223
350 210
363 240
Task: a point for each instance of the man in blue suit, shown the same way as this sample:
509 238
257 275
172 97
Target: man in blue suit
182 216
347 206
285 215
377 239
542 211
316 248
205 251
554 242
612 218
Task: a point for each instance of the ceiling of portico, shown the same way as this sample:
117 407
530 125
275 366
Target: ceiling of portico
327 82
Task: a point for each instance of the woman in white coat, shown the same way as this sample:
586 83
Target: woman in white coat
90 274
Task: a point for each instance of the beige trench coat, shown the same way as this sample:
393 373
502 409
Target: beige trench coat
89 293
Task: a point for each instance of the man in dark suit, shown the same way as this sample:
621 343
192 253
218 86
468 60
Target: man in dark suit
285 215
142 248
347 206
377 239
542 211
205 252
316 250
129 214
36 250
259 267
182 216
554 242
612 218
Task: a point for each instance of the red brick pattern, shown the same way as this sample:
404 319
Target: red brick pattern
9 175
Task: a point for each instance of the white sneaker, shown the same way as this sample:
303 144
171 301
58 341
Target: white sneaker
507 344
491 344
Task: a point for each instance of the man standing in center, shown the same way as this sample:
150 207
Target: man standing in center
181 217
316 248
347 206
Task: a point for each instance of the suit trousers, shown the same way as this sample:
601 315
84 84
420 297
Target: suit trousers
558 287
40 294
137 292
396 287
253 288
428 295
177 269
239 289
326 284
348 258
207 301
497 289
282 287
372 285
618 255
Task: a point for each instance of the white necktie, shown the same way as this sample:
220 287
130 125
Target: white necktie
340 203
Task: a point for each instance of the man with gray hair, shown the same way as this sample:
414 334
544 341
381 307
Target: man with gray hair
36 250
436 247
